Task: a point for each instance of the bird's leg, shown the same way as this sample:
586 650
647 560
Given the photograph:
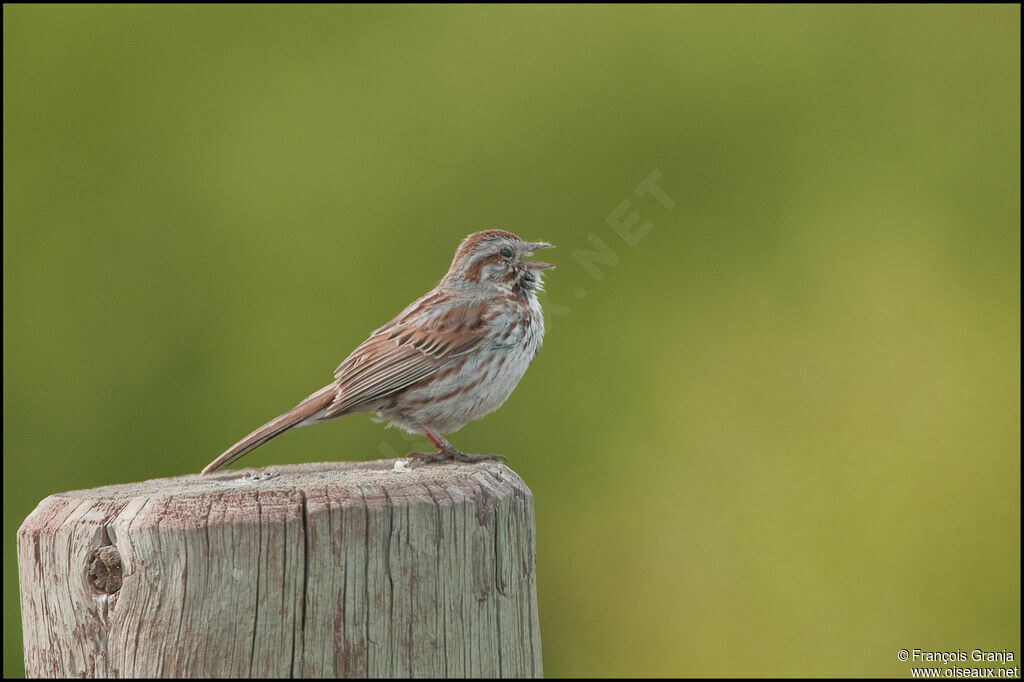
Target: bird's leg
447 452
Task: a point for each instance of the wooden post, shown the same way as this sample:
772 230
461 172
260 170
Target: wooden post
343 569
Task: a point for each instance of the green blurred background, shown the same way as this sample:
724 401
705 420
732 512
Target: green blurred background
778 436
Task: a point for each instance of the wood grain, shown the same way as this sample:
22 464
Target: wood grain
342 569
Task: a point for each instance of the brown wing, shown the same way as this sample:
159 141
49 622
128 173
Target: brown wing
429 335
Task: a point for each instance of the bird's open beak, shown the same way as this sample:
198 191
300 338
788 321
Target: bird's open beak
537 264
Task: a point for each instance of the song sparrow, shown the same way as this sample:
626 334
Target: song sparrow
452 356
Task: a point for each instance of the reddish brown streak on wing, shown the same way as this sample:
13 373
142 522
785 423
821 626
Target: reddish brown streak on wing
407 350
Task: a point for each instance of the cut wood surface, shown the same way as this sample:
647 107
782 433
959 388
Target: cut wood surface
342 569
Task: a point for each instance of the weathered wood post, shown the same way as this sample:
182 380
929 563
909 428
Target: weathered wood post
345 569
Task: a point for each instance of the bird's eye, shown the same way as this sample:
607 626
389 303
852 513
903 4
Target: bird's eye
506 252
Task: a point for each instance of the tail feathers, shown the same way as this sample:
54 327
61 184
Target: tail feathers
275 427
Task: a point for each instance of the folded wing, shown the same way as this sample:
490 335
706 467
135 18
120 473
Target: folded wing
428 336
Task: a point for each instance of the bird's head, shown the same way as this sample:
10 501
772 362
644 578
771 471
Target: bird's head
495 257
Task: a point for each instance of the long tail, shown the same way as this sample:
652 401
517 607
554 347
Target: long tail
275 427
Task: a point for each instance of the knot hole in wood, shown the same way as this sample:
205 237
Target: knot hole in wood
103 570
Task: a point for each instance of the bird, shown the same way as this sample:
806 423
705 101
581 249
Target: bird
451 356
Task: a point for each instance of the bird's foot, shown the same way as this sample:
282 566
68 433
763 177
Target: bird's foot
463 457
452 455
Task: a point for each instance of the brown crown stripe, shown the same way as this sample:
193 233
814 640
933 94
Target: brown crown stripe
470 243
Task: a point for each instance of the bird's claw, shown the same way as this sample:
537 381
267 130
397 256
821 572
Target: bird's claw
453 456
